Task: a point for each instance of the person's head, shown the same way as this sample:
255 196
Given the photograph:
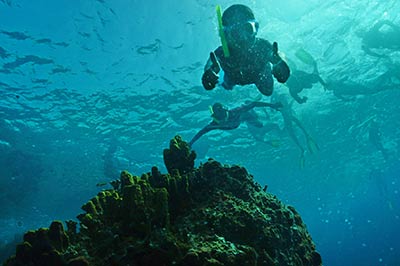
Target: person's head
219 112
240 26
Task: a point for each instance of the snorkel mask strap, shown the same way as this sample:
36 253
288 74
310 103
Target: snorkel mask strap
254 23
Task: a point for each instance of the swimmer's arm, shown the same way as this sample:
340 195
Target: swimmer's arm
295 95
248 107
203 131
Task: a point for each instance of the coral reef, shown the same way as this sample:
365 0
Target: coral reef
179 156
210 215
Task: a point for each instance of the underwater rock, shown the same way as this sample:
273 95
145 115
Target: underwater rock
211 215
179 156
44 246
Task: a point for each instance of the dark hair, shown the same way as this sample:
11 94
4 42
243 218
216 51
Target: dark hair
236 13
217 106
219 111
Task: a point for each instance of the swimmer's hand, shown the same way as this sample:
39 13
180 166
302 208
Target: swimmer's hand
210 76
280 69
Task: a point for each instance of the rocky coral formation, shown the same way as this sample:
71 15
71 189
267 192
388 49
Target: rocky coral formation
210 215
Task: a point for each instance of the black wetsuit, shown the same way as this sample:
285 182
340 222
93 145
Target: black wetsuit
235 117
250 67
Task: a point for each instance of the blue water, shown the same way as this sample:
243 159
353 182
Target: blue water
89 88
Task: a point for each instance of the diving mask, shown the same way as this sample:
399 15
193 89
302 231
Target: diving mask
243 30
219 113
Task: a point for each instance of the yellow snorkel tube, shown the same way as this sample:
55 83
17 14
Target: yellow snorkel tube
212 115
221 32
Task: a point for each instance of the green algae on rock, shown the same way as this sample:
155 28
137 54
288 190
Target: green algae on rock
179 156
211 215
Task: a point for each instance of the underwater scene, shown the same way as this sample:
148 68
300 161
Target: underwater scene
200 132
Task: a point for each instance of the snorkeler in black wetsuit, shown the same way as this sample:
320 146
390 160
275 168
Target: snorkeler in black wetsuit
225 119
300 80
250 58
345 89
375 137
379 38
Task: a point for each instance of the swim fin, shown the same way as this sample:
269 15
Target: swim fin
312 145
305 57
390 205
302 160
274 143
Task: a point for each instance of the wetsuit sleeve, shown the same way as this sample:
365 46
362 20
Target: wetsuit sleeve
248 107
203 131
266 48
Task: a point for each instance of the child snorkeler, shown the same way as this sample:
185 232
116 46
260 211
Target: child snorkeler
245 59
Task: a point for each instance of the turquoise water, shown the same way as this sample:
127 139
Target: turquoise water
89 88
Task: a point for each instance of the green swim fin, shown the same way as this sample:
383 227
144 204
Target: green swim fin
390 205
312 145
302 161
274 143
305 57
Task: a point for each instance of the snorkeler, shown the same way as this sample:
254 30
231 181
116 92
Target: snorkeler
379 37
224 119
289 120
346 89
244 58
375 137
110 159
300 80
